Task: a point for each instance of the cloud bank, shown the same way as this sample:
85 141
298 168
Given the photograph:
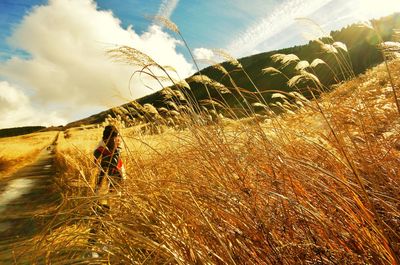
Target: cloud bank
68 69
16 110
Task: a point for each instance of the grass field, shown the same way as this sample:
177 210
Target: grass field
316 185
20 150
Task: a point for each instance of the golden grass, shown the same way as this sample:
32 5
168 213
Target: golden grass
318 186
18 151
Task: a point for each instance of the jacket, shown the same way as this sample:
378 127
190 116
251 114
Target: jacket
110 162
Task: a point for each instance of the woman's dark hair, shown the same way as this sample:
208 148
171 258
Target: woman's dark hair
110 131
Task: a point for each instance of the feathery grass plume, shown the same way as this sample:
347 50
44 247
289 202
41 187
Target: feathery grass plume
396 35
340 52
173 27
136 105
179 95
225 55
295 80
236 63
278 95
366 24
317 62
345 57
298 96
270 70
169 68
183 84
206 80
172 105
302 65
340 45
220 68
312 77
285 59
221 88
167 92
131 56
320 33
258 104
150 109
304 76
174 112
329 48
211 102
391 49
166 23
395 97
162 110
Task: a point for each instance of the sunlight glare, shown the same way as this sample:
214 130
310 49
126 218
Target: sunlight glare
375 8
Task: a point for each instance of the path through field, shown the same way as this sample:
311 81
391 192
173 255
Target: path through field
26 200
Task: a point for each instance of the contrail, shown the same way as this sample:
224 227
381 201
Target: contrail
280 18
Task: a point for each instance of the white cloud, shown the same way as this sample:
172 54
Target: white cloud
68 66
279 19
203 54
167 7
16 110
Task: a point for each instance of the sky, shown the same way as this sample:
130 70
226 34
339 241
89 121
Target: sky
54 66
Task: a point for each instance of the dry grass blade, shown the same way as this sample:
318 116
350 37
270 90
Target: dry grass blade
131 56
150 109
179 95
211 102
173 105
258 104
340 45
302 65
295 80
316 62
285 59
271 70
166 23
225 55
220 68
209 82
183 84
366 24
278 95
329 48
390 48
298 96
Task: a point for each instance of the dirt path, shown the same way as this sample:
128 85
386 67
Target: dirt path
26 199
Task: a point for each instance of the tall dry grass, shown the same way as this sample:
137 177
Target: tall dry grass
318 184
18 151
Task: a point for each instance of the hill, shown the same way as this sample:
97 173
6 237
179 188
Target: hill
8 132
345 53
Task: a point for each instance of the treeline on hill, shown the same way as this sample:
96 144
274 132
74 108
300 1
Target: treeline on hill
359 52
9 132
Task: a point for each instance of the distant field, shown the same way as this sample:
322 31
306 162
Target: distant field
20 150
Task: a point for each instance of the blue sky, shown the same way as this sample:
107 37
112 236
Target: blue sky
53 65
